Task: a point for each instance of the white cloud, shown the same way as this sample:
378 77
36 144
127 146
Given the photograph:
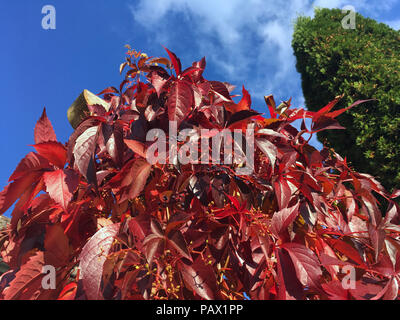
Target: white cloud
246 41
395 24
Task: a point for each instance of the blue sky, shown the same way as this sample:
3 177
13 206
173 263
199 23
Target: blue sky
245 42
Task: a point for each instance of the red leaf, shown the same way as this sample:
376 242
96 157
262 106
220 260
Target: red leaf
327 108
108 90
56 244
269 149
245 102
395 194
306 263
368 288
377 236
345 249
139 173
270 101
15 189
282 219
54 152
32 161
221 90
188 71
27 280
175 61
336 113
69 292
157 81
179 244
392 290
137 147
83 152
153 244
283 192
85 125
335 290
200 65
200 278
179 102
325 123
113 139
61 184
289 287
44 131
92 259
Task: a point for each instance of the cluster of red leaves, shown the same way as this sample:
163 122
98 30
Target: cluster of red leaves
116 227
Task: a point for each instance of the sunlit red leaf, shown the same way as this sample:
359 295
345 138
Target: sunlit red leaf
60 185
139 173
83 152
68 292
31 162
175 62
44 131
283 192
179 102
137 147
282 219
15 189
245 102
54 152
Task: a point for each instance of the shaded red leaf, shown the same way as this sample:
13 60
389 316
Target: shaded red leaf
289 287
56 245
345 249
200 277
27 279
308 268
325 123
92 259
178 242
335 290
